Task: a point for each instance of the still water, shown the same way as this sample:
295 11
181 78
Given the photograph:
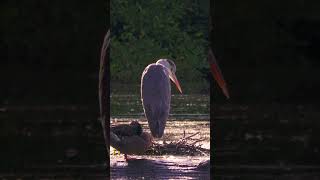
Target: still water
182 106
189 114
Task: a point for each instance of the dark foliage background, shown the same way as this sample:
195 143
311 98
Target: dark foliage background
145 31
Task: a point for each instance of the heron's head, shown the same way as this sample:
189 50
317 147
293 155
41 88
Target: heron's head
171 67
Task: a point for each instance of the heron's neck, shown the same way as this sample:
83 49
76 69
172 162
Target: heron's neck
165 66
166 70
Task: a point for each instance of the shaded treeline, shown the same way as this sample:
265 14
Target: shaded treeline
144 31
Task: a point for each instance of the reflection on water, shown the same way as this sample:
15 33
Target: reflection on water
181 105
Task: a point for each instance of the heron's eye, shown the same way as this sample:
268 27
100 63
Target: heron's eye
172 65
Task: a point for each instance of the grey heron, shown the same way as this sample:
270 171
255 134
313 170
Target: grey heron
156 91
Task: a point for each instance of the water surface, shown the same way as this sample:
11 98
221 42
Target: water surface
189 114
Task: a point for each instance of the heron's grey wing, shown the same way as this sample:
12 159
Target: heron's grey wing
156 97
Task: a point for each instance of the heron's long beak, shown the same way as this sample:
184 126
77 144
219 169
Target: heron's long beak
175 80
216 72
